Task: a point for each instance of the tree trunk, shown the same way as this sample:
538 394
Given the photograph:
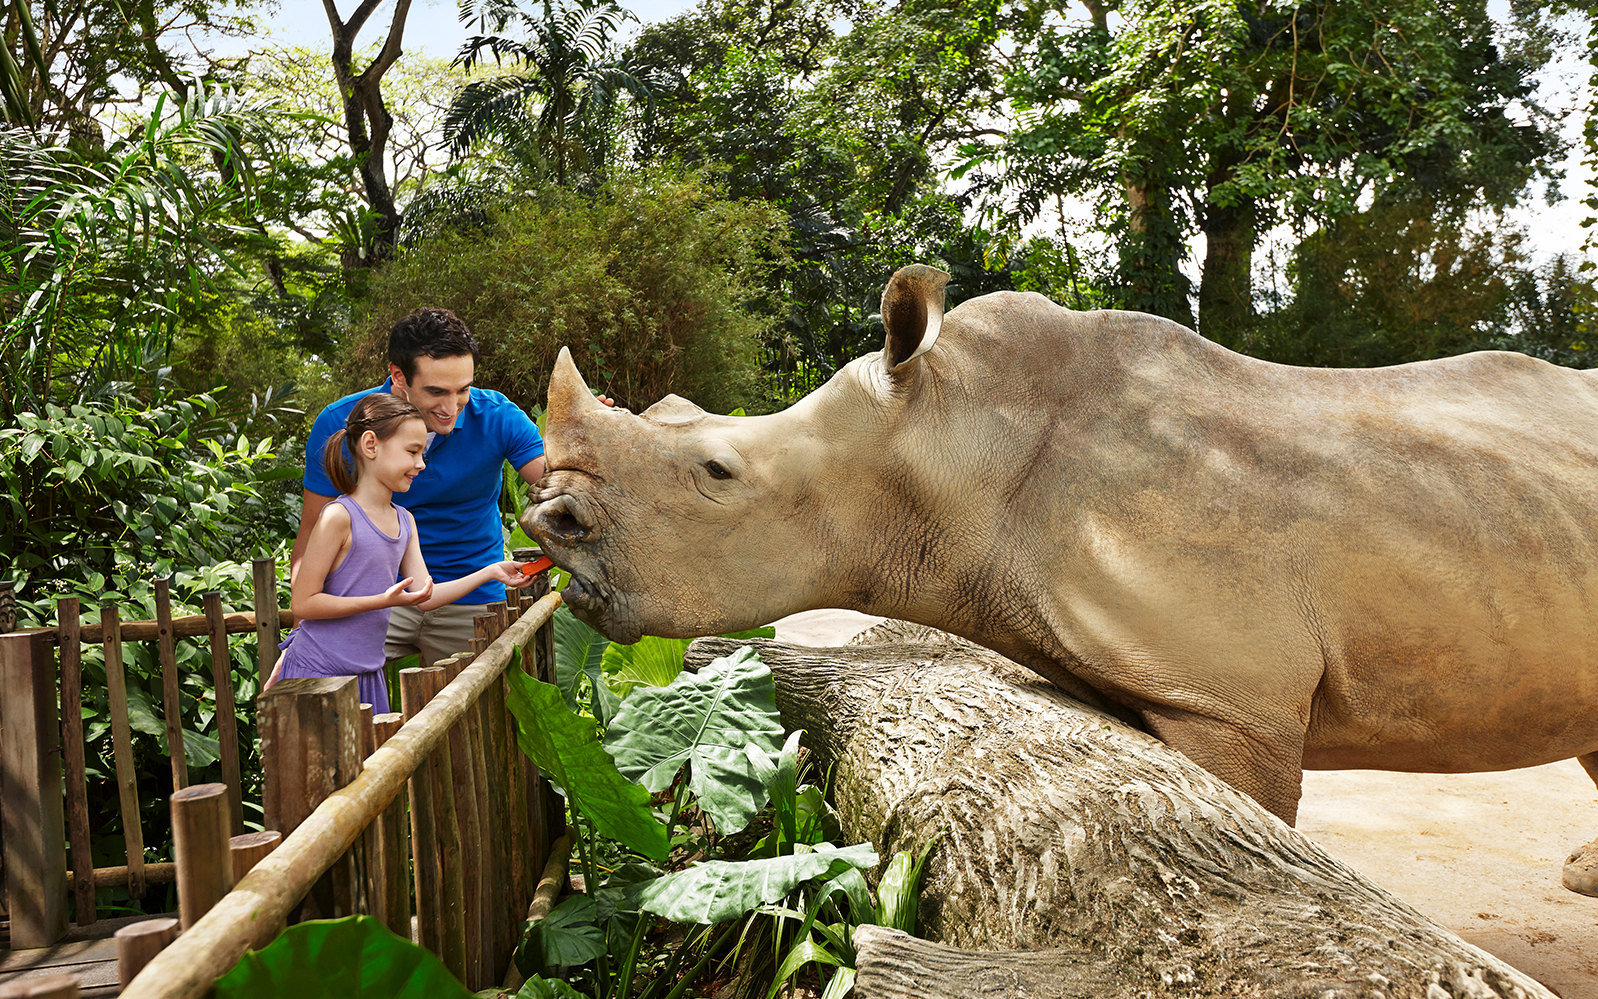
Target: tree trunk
367 120
1226 288
1118 866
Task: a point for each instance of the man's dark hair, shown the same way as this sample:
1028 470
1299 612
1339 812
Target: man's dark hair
429 333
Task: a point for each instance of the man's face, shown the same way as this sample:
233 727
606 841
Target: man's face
442 386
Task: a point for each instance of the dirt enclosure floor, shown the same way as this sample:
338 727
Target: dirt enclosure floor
1479 853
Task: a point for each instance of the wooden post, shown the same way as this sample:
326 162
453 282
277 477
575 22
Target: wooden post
396 844
32 825
414 694
200 824
48 987
138 943
373 863
68 638
453 910
310 747
116 685
227 732
266 622
170 694
249 849
471 802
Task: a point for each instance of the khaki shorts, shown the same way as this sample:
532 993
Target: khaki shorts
434 635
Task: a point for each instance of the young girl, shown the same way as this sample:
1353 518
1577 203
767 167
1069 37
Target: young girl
361 544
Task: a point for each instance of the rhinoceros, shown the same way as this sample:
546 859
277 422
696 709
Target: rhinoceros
1270 568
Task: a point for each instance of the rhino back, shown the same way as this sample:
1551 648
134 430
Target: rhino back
1170 521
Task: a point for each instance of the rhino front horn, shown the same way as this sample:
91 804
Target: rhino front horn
569 396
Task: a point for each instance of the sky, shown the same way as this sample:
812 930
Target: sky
434 27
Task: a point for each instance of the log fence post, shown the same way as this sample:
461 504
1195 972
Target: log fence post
396 843
200 833
34 825
311 747
372 847
248 849
227 733
171 693
138 943
116 685
266 618
69 628
414 695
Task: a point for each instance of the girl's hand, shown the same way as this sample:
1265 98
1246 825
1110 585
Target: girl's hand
510 573
398 596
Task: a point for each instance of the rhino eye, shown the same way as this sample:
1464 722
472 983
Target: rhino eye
717 470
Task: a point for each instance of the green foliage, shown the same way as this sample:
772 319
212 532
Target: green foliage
720 723
567 747
654 282
338 959
105 260
571 79
716 891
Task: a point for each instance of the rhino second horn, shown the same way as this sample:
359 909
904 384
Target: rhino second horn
569 396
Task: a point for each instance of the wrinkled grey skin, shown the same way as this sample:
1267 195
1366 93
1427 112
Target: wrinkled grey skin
1270 568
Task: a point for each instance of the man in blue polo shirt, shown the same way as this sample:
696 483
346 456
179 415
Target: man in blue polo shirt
471 433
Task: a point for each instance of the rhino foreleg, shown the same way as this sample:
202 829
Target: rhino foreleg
1267 767
1581 868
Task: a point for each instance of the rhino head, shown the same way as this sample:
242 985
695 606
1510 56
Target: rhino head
678 522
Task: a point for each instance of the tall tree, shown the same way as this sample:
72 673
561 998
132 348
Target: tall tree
367 120
1224 118
556 115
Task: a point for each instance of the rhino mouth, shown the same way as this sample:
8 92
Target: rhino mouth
593 604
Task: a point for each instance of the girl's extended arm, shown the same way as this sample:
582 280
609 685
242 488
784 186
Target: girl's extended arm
330 536
509 573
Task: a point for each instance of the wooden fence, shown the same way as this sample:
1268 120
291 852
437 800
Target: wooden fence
482 821
436 798
44 801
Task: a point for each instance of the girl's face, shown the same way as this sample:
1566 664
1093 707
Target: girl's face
398 460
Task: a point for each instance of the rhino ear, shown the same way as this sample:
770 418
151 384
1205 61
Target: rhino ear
569 396
912 312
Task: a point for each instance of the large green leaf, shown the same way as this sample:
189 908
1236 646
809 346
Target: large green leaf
722 720
570 935
655 662
579 652
719 890
345 958
567 747
538 987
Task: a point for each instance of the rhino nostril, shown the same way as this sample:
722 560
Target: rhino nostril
558 518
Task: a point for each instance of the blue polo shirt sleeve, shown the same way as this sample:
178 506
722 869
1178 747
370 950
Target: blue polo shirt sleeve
521 441
327 421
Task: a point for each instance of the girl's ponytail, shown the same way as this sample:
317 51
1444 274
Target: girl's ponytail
338 462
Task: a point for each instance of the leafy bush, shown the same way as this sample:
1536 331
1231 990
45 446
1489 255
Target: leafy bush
654 282
690 808
102 498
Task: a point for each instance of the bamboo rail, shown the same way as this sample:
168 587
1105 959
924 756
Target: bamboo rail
248 916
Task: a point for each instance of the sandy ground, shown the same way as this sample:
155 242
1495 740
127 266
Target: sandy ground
1479 853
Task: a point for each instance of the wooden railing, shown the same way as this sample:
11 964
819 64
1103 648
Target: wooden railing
481 819
42 742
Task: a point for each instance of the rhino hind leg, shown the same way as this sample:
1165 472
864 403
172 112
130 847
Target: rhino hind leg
1581 867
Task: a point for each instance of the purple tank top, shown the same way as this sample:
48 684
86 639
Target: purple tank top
343 646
